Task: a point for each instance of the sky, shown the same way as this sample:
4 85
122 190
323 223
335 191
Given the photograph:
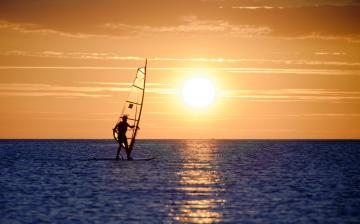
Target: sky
286 69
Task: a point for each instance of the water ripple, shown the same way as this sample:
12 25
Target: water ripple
190 181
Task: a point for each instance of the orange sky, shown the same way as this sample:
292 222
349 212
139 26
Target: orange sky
282 69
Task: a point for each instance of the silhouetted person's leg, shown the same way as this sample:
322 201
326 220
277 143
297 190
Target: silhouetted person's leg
130 154
118 152
128 151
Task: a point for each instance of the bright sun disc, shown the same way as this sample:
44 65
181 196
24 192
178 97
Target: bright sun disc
198 92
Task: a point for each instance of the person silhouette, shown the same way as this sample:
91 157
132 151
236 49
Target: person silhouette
121 129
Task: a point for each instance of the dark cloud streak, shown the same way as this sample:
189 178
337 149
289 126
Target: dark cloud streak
325 20
293 19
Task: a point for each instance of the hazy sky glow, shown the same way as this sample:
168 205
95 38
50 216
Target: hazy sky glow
281 69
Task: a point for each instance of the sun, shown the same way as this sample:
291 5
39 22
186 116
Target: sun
198 92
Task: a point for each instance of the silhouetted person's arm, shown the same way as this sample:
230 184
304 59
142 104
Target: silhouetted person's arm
116 127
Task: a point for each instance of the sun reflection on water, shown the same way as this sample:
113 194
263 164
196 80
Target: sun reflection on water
199 185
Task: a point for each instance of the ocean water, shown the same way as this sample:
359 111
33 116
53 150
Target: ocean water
190 181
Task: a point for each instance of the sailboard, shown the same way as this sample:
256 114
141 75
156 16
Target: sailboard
133 107
134 159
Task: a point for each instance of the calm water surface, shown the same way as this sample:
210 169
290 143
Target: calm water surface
190 181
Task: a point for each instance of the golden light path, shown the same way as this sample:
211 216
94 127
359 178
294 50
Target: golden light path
199 182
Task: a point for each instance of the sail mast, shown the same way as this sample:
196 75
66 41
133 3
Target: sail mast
142 101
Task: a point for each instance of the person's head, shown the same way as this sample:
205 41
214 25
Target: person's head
124 118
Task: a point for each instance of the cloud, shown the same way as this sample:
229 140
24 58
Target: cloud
38 29
162 113
162 91
350 116
100 90
47 87
256 7
276 71
291 116
239 65
46 90
193 26
128 18
94 91
331 53
56 94
269 4
318 21
354 38
240 70
72 55
123 83
288 95
69 67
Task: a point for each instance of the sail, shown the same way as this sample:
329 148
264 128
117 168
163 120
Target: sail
133 106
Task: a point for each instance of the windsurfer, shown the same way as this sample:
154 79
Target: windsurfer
121 129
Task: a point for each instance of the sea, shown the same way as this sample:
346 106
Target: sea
189 181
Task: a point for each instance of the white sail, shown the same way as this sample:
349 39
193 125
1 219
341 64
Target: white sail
133 106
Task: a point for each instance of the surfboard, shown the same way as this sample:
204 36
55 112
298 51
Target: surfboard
134 159
143 159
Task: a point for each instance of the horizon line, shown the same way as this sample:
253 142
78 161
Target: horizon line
245 139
